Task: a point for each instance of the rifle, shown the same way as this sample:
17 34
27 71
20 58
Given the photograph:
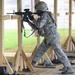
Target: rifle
26 13
24 16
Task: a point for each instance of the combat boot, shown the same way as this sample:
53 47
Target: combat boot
68 70
33 63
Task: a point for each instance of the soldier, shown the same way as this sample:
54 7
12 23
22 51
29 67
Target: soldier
48 29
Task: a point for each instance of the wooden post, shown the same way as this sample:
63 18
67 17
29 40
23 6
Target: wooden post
1 33
55 10
3 60
19 37
20 53
70 25
70 41
19 8
27 62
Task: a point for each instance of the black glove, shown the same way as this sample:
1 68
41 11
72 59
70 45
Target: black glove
26 19
31 17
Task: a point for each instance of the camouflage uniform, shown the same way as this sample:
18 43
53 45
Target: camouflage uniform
47 28
51 39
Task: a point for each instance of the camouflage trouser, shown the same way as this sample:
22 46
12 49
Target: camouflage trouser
55 44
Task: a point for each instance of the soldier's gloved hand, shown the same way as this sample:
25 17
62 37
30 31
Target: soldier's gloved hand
31 17
26 19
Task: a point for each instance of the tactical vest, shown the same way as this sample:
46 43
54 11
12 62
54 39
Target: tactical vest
41 31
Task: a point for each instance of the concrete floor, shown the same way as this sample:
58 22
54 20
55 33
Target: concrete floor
48 71
59 72
42 71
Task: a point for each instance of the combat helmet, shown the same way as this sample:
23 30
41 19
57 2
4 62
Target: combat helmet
42 6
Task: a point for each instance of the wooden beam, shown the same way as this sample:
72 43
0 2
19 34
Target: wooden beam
19 37
70 25
30 59
55 10
47 57
27 62
2 57
67 13
58 14
6 17
70 17
70 43
1 33
19 8
9 69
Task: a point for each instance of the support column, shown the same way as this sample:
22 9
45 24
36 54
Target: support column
55 10
20 55
19 37
1 33
3 60
69 43
70 25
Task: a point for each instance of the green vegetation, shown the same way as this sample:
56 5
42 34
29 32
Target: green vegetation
64 33
11 40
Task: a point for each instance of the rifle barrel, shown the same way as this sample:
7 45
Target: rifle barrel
10 13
